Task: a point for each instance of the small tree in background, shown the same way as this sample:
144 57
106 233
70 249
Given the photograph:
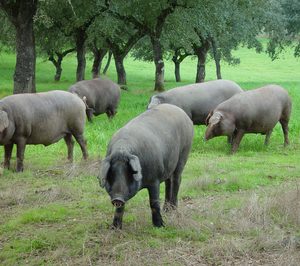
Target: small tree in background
111 34
73 18
51 42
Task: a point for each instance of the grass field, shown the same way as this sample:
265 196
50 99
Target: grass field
233 209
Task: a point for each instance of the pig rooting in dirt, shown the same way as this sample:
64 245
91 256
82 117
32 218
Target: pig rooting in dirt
254 111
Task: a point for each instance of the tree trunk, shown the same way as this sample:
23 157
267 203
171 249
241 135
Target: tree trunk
218 68
80 48
177 71
107 63
21 13
200 76
201 53
159 64
57 64
217 58
177 59
120 69
24 76
58 73
98 57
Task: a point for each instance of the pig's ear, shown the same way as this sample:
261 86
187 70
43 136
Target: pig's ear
4 122
216 118
208 117
105 165
136 167
154 100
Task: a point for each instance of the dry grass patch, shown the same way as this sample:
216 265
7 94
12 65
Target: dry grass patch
89 167
54 193
264 230
11 196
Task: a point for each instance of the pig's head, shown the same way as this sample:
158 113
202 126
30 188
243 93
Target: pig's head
155 100
219 124
121 176
4 122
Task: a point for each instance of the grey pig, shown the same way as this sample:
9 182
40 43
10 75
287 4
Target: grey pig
102 96
150 149
197 100
41 118
254 111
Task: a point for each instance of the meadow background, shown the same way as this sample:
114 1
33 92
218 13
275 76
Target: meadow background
233 209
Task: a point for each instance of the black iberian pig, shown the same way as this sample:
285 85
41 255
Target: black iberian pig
150 149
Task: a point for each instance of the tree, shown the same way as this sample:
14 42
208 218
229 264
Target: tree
73 19
107 63
200 50
51 42
292 13
148 17
7 33
217 28
99 54
21 13
177 39
56 58
179 55
285 29
110 34
97 44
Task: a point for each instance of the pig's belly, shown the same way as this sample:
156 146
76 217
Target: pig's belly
46 137
262 128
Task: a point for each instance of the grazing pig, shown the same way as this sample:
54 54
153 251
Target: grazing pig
41 118
102 96
254 111
148 150
197 100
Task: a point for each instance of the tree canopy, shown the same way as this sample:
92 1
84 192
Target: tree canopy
152 30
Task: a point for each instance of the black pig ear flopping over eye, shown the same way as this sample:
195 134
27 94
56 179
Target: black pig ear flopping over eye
105 165
136 167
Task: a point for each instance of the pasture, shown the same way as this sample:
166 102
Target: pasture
233 209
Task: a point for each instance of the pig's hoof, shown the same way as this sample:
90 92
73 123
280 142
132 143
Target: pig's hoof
116 226
158 223
113 227
169 207
19 169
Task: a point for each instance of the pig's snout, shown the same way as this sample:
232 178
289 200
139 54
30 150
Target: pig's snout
207 136
118 202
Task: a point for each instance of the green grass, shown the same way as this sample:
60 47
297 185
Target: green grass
231 207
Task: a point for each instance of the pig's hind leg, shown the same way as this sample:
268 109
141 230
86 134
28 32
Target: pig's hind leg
285 128
268 135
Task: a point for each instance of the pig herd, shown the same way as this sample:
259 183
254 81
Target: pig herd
154 146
